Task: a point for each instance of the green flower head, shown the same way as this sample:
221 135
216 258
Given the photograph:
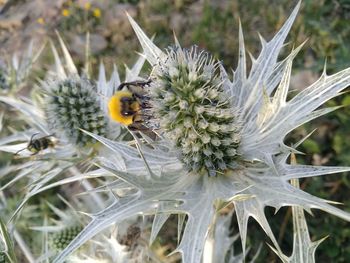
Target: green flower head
71 106
193 110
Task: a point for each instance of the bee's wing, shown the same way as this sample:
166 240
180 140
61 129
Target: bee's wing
137 126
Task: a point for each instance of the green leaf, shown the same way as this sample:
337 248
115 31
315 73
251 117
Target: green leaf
6 239
311 146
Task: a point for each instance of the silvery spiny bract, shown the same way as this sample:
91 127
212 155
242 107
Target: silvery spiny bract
162 183
70 103
47 165
15 71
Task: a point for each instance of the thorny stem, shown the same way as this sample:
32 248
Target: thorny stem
288 215
209 246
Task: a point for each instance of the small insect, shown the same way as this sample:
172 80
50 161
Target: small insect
130 238
127 105
37 145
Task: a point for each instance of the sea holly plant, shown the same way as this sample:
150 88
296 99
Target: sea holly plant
63 104
220 141
14 72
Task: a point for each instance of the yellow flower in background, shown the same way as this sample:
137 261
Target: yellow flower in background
96 12
65 12
87 6
40 21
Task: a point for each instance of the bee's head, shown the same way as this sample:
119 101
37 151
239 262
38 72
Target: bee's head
31 147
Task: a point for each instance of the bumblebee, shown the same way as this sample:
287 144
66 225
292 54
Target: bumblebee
37 145
128 103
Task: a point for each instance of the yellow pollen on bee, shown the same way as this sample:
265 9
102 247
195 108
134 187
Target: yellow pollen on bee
115 107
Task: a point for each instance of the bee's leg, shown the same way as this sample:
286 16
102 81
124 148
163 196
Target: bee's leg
141 83
134 83
122 85
142 129
142 97
32 137
131 127
21 150
145 83
145 104
137 126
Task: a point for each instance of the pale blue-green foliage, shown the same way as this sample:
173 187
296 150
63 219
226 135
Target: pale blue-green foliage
7 253
154 180
303 248
43 171
15 71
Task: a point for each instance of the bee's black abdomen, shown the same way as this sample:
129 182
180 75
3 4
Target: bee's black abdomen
45 143
37 145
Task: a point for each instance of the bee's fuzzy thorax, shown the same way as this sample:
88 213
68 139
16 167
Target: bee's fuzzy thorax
115 107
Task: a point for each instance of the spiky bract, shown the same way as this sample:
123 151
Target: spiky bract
72 105
193 110
265 117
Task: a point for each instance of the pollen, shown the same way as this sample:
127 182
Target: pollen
116 108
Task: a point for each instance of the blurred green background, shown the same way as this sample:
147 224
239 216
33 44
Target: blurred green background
213 25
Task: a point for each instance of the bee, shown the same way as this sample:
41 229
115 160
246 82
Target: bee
37 145
128 104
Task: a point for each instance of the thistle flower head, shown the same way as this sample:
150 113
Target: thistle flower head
71 105
193 110
62 238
